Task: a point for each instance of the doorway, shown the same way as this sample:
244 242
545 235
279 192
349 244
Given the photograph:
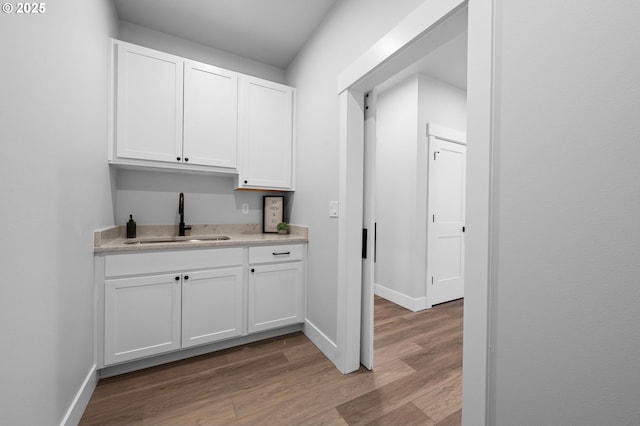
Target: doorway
411 175
415 35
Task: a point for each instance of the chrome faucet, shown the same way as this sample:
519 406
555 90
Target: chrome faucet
181 226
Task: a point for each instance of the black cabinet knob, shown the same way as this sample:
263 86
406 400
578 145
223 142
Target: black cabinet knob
177 278
186 159
253 270
245 182
178 158
186 277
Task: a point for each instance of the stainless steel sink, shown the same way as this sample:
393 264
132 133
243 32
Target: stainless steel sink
168 240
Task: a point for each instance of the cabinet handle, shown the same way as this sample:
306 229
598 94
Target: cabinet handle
186 159
246 182
252 270
178 158
177 278
284 253
186 277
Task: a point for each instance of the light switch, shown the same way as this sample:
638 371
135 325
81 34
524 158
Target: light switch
245 208
333 209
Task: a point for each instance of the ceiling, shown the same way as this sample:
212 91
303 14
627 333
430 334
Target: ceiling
271 32
274 31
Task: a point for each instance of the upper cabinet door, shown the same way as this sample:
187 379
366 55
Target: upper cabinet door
210 115
266 134
149 91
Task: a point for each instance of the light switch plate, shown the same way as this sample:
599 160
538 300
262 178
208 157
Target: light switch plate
333 209
245 208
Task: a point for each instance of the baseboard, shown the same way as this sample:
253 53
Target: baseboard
318 338
79 404
414 304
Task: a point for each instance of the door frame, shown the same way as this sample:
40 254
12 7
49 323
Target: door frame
385 57
369 223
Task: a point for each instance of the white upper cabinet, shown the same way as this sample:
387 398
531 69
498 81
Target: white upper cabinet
266 135
174 113
171 112
210 115
148 104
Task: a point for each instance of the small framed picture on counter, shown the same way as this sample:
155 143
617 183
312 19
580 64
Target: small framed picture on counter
272 212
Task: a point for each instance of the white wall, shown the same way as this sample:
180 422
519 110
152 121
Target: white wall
152 198
396 189
55 188
442 104
565 275
350 28
402 113
147 37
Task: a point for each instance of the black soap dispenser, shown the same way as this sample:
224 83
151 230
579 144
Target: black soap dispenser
131 227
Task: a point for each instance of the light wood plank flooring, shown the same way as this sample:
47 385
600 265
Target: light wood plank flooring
417 380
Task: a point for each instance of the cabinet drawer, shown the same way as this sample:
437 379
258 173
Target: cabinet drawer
170 261
275 253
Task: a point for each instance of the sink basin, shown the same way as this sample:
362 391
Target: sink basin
166 240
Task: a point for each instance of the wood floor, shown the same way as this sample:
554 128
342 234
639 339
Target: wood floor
417 380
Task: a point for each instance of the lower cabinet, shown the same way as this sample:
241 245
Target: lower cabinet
158 302
275 296
141 317
211 306
159 313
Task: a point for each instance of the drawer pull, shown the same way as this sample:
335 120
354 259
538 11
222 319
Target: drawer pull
284 253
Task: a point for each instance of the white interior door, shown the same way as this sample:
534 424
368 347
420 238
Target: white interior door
445 229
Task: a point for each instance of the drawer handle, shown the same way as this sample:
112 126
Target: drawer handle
284 253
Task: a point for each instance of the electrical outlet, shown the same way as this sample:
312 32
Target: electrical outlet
333 209
245 208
